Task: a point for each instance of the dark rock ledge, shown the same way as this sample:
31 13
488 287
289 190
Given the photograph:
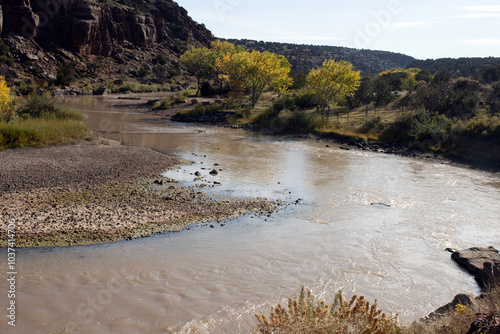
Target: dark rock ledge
484 264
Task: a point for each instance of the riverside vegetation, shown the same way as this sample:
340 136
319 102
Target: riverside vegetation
434 114
430 111
299 110
307 315
37 121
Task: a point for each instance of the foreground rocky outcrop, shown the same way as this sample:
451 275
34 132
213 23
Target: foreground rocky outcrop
482 263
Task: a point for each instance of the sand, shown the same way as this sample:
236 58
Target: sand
100 191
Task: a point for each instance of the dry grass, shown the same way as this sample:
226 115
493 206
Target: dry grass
39 121
41 132
460 319
305 315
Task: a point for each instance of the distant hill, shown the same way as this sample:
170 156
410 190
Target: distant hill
306 57
112 42
458 67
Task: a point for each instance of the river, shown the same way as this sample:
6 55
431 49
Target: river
213 280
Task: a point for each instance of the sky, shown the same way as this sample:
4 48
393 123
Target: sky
424 29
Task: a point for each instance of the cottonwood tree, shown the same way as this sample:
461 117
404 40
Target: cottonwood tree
224 48
201 63
332 82
5 101
255 71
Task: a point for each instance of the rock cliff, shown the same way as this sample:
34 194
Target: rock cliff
51 32
90 27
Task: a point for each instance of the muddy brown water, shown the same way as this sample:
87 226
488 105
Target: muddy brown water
213 280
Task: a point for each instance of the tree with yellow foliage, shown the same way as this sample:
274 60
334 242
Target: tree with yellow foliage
5 101
255 71
200 62
332 82
400 79
224 48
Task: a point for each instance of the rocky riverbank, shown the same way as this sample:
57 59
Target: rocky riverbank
484 264
346 143
100 191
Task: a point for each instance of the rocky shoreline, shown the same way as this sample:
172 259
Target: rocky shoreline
219 119
484 264
100 191
345 143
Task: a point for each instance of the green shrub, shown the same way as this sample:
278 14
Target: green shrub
372 124
201 110
6 60
41 132
161 59
42 107
27 86
66 74
425 126
304 99
422 129
301 121
298 100
92 67
4 49
170 101
143 71
135 88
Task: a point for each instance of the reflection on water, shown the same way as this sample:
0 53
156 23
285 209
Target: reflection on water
213 280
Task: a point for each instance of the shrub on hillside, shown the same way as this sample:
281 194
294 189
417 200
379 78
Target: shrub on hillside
372 124
66 74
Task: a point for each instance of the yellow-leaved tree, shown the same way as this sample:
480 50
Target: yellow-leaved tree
332 82
406 77
255 71
201 61
6 105
224 48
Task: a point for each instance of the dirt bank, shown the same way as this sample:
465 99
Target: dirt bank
100 191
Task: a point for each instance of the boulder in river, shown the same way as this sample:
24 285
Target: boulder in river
381 204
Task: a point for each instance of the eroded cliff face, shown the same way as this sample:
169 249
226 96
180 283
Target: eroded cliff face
97 27
138 42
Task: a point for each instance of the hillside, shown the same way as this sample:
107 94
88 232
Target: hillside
306 57
121 43
461 67
98 38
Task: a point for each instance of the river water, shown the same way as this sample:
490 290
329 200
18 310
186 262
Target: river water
208 280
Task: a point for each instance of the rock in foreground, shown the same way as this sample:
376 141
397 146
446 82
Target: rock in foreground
483 263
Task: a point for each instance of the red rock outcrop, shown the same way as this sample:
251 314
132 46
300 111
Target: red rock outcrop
97 27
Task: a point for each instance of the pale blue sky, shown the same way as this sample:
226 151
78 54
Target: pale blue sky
420 28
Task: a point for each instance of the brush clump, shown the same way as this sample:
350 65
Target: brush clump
306 315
